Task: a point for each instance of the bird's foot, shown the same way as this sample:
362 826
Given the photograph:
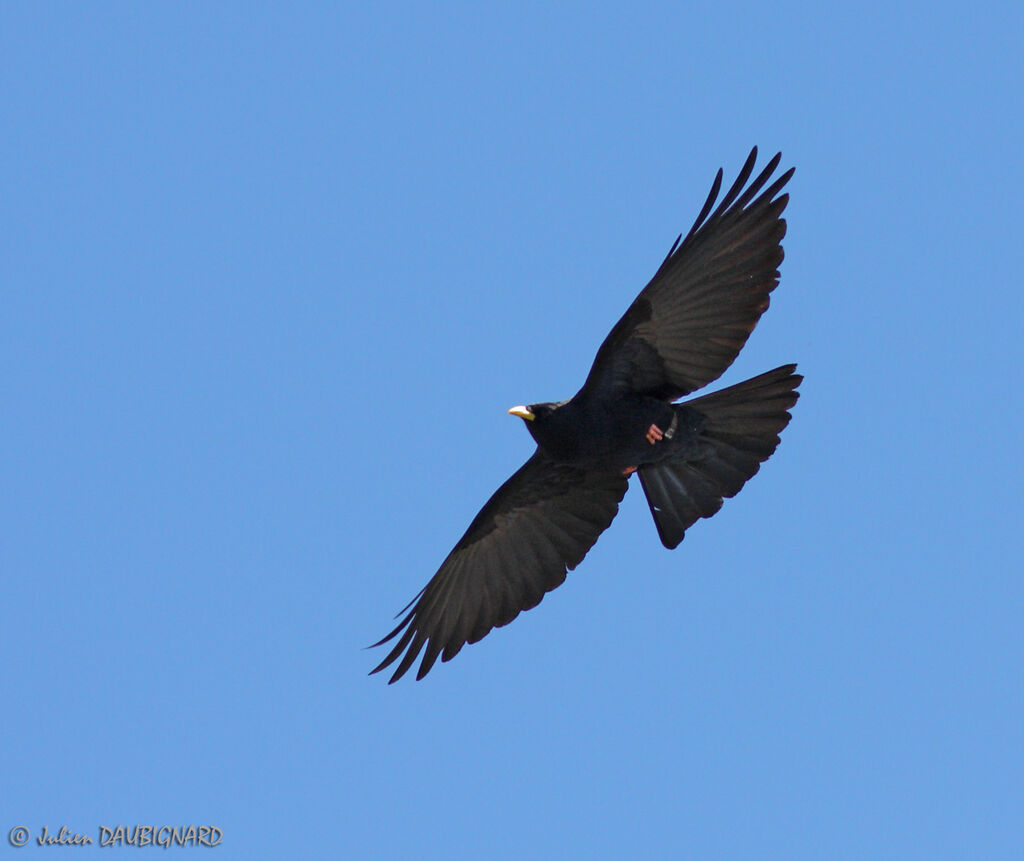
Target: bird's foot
654 433
629 470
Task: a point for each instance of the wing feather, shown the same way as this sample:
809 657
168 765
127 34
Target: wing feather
540 523
690 322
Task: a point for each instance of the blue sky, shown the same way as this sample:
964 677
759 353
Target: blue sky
272 275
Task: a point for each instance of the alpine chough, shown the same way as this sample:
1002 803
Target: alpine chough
682 331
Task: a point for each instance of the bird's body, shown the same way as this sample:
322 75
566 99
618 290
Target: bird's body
600 433
682 331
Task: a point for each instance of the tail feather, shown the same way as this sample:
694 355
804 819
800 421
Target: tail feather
740 430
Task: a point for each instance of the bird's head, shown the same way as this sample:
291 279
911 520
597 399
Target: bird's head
536 417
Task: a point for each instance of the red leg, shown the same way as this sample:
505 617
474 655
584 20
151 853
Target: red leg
654 433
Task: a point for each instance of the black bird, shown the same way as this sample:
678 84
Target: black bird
682 331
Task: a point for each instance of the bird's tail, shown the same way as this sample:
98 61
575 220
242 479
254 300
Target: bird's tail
740 430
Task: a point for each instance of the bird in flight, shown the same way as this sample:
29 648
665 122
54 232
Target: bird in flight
683 330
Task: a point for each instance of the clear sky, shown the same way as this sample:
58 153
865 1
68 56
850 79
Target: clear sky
272 274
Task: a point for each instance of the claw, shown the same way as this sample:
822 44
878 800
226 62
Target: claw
654 433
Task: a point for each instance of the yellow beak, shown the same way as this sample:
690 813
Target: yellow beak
522 412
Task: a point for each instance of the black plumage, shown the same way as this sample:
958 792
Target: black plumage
683 330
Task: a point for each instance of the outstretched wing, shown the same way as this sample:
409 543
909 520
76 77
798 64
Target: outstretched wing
539 523
692 319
